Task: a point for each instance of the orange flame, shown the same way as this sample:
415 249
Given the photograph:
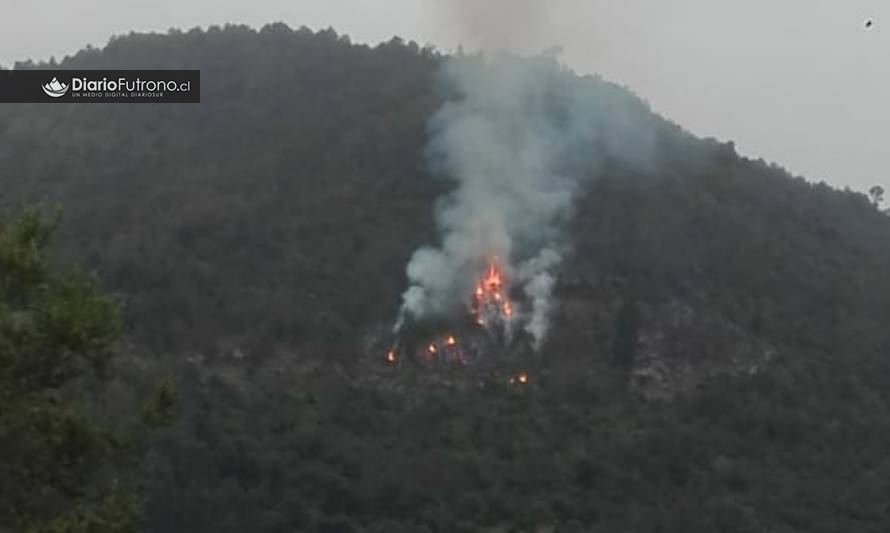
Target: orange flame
519 379
432 348
450 340
489 298
492 280
391 357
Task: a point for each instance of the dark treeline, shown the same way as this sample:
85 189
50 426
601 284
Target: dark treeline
274 220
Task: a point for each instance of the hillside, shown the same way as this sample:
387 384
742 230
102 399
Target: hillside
323 145
275 219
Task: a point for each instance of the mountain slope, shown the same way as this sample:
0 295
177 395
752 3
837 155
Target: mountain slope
255 213
275 220
264 212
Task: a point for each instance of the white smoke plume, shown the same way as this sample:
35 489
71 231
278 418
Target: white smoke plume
519 138
538 287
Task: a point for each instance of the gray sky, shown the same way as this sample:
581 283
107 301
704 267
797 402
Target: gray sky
798 82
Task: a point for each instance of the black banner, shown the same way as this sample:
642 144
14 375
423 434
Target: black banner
123 86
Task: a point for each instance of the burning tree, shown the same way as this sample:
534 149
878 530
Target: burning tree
445 349
491 304
490 311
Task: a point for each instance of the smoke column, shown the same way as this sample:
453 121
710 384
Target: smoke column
519 137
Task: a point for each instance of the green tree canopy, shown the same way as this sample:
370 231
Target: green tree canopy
56 334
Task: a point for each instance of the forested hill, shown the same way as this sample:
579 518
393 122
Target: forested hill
281 211
275 220
262 213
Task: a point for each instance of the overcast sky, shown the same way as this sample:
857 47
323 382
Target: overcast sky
798 82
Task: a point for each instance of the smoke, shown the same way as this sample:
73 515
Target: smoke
516 25
539 282
520 138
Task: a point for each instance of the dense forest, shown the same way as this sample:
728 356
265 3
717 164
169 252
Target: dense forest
717 360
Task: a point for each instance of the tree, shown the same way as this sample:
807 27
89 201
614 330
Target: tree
876 193
56 333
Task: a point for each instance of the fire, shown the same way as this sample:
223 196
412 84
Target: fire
519 379
490 301
492 280
490 308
